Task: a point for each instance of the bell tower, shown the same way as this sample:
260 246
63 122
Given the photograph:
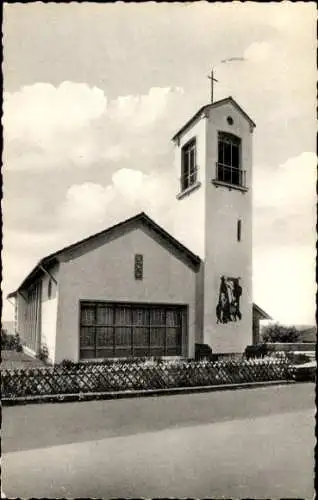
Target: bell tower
213 217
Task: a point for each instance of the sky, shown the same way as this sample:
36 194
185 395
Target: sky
93 94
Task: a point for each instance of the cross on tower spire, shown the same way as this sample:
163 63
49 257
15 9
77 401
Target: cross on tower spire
211 77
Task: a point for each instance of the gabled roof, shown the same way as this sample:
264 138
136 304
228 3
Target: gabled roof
261 312
141 217
207 107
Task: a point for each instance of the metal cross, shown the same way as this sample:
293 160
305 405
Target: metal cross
211 77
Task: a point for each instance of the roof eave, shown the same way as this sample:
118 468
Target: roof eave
262 312
32 274
194 118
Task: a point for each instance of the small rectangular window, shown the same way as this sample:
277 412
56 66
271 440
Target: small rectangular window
239 230
189 165
139 266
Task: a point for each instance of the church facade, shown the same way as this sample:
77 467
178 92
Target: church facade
136 290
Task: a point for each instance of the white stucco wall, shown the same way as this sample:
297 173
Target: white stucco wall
45 318
28 311
224 255
49 313
189 211
20 308
107 273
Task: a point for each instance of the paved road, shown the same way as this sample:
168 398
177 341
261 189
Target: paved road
256 443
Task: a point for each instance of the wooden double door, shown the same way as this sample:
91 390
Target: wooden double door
117 330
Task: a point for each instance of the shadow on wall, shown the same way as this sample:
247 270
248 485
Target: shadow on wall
43 354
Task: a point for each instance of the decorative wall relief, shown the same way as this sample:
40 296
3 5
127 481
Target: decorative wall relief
228 308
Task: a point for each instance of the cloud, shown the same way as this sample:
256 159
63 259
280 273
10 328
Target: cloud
74 125
39 112
90 207
144 110
49 127
288 187
284 200
284 238
258 52
129 183
147 191
87 202
284 283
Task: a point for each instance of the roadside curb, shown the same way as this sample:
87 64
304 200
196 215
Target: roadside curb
91 396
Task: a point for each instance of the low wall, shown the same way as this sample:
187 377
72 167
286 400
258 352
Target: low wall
294 346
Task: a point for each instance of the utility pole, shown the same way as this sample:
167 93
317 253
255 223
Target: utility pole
211 77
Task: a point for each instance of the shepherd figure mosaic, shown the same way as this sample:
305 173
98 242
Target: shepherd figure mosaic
228 308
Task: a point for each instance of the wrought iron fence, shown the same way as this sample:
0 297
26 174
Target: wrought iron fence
106 377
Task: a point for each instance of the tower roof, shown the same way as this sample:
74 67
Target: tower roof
215 104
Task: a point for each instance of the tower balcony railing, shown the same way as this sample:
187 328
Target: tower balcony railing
232 176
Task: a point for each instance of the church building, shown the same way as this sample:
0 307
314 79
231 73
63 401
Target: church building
136 290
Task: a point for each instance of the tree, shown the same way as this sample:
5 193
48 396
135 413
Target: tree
280 333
